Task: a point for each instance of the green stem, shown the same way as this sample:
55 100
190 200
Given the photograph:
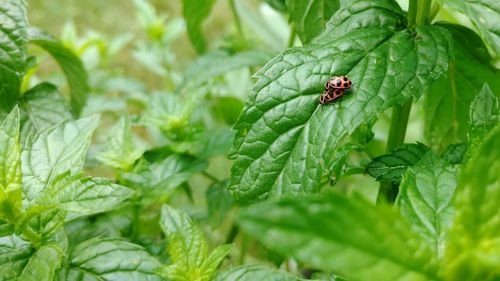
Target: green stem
233 232
234 11
412 12
291 39
32 236
210 176
423 12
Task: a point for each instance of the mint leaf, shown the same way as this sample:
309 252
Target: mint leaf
81 196
454 153
425 198
285 138
188 248
309 17
219 62
121 151
484 116
110 259
339 234
55 151
219 202
13 34
14 255
473 249
43 264
41 108
254 272
71 65
10 167
195 12
449 98
391 166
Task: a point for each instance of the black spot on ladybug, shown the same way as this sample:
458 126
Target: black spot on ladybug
344 78
346 84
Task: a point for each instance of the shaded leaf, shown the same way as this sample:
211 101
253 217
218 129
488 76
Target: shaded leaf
425 198
14 255
219 202
473 249
43 264
71 65
254 272
195 12
391 166
348 235
454 153
13 37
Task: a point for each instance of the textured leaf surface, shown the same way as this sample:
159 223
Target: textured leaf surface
219 62
254 272
71 65
195 12
55 151
391 167
310 16
121 151
43 264
285 139
14 255
41 108
110 259
449 98
485 15
425 198
10 167
340 234
473 250
13 36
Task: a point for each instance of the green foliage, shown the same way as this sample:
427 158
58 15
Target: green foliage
274 144
254 272
195 12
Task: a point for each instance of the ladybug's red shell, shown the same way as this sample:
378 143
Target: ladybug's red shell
338 82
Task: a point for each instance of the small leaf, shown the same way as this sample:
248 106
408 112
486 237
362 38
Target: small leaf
448 99
43 264
254 272
195 12
390 167
41 108
121 151
484 115
55 151
10 167
219 202
215 259
309 17
473 249
454 153
339 234
111 259
71 65
425 197
285 138
219 62
13 37
14 255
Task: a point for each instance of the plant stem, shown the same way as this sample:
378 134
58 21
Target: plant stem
291 39
233 232
32 236
418 14
210 176
234 11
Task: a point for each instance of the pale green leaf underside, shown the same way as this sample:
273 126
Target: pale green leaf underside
285 139
111 259
72 66
55 151
473 251
254 272
13 52
425 199
345 235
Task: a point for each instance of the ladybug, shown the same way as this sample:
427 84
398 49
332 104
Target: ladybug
338 82
335 88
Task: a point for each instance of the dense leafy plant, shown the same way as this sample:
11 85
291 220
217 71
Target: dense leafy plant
105 175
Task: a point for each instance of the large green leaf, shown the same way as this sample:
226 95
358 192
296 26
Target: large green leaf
10 167
309 17
55 151
42 107
43 264
473 250
285 139
484 116
13 34
254 272
425 199
111 259
195 12
448 100
71 65
14 255
339 234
